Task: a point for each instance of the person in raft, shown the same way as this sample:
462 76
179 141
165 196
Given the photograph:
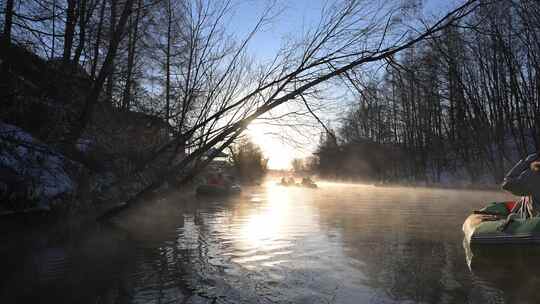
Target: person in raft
213 179
524 180
221 180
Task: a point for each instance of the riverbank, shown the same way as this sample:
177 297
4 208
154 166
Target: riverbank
90 211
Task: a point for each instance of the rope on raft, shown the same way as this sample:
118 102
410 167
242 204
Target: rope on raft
524 208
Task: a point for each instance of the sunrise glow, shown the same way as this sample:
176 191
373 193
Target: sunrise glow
278 152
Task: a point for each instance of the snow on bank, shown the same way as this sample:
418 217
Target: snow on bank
36 163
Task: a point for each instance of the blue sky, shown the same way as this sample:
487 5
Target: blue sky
293 18
296 15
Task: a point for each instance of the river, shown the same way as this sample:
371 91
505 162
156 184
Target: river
341 243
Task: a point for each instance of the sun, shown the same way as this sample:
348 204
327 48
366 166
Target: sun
278 153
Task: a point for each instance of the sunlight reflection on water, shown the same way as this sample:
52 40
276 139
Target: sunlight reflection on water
340 243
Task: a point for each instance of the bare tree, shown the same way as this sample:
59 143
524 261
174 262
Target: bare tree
464 98
69 32
227 96
132 44
8 23
104 72
211 89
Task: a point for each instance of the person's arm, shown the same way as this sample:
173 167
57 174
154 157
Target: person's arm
518 185
516 179
522 165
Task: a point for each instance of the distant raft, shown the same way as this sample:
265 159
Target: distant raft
309 185
490 226
306 185
216 190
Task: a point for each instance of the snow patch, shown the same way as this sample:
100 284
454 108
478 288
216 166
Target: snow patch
35 162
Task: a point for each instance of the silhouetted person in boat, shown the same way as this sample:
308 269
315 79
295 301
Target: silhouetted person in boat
220 181
524 180
307 181
211 180
216 180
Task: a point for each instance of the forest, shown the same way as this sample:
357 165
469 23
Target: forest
103 101
459 107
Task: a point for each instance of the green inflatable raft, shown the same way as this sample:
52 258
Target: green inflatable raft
489 225
215 190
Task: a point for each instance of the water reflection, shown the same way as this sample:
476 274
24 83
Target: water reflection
262 226
338 244
510 271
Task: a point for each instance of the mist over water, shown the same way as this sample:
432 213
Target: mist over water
341 243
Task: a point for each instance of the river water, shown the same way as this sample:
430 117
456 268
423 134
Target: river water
341 243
